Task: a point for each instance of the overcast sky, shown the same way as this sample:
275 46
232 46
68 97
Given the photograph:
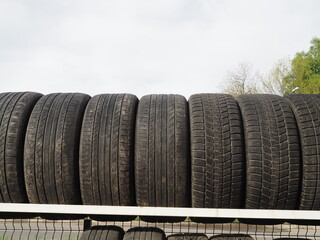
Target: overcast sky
146 46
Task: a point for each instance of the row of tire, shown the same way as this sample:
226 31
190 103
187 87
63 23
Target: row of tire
150 233
213 151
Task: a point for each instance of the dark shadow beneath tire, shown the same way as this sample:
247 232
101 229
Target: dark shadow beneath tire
212 220
261 221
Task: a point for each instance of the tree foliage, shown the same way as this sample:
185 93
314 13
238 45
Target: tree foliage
305 70
302 72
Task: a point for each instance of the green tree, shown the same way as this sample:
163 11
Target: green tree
305 71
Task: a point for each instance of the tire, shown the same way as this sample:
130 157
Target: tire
232 237
217 153
188 236
103 233
306 109
51 153
272 152
15 110
162 156
145 233
107 153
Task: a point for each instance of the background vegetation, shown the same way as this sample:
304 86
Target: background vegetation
299 75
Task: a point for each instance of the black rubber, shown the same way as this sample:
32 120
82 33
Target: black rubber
145 233
15 110
262 221
56 216
103 233
232 237
112 218
217 153
305 222
211 220
162 156
107 153
51 151
307 112
188 236
272 152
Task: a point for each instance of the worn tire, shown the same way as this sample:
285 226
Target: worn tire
188 236
51 152
162 156
107 152
306 109
272 152
232 237
15 110
217 153
103 233
145 233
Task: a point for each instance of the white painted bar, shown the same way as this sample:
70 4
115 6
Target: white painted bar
159 211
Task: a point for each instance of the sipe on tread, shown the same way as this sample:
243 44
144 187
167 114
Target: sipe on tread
306 109
272 152
217 153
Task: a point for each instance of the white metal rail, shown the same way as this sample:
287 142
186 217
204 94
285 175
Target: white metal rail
159 211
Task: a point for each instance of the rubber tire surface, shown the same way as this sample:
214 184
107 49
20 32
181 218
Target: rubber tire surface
307 112
188 236
232 237
52 149
15 110
162 156
272 152
103 233
217 153
107 152
145 233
